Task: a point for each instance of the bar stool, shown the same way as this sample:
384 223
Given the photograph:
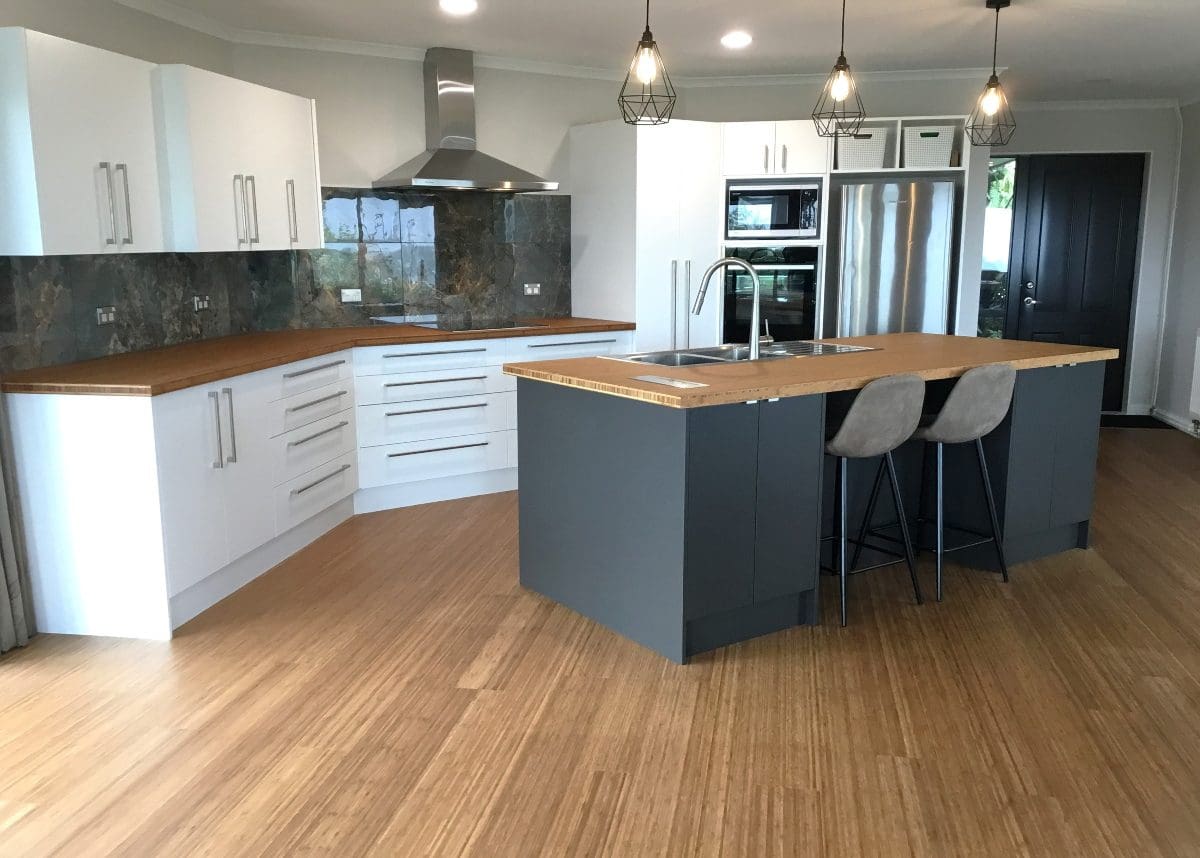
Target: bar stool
883 416
977 404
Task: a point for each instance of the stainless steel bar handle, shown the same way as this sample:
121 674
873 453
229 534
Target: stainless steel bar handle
324 479
766 158
328 398
435 410
564 345
239 203
320 434
215 398
784 170
252 191
434 354
300 372
437 381
112 203
674 303
438 450
232 457
293 217
123 169
687 300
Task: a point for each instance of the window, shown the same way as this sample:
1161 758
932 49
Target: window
997 241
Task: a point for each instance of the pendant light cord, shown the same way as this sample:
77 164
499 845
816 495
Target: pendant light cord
995 39
648 15
843 50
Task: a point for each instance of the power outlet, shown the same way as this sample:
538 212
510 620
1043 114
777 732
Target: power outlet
200 303
351 296
106 315
533 288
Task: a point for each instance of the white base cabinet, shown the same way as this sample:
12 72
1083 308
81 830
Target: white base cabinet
141 512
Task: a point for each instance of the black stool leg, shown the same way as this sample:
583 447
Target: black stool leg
866 524
843 470
941 520
991 505
908 548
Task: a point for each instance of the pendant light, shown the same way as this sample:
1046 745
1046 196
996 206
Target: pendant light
991 123
648 96
839 108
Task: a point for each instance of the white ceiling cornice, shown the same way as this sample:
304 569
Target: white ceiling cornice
1102 104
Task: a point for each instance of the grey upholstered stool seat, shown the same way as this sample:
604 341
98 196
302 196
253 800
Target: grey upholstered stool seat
977 404
883 416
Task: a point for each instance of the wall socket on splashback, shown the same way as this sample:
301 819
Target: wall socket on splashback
533 288
106 315
351 296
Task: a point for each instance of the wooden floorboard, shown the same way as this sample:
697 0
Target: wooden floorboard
392 691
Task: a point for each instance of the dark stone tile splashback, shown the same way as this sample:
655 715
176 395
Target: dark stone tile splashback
410 253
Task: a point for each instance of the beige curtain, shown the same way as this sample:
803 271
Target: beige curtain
16 610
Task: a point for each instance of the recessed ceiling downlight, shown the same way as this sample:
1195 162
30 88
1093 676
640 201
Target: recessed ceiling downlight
459 7
735 40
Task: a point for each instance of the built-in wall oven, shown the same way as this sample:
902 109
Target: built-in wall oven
772 210
788 297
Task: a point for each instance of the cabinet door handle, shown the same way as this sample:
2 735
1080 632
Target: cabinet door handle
112 203
293 218
437 450
674 303
320 434
215 398
766 158
324 479
239 203
252 218
123 169
687 300
437 381
435 410
232 457
328 398
565 345
434 354
784 170
300 372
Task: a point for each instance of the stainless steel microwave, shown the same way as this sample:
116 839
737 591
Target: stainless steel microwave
773 211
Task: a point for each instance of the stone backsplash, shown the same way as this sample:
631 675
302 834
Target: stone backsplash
410 253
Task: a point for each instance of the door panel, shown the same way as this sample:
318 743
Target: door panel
749 148
1074 254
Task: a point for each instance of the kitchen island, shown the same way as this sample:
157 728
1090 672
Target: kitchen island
690 517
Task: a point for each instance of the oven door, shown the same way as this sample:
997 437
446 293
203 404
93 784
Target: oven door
773 211
787 301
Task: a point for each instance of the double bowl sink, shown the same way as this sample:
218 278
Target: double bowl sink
736 353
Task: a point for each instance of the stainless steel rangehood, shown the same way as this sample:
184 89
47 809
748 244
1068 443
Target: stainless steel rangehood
451 160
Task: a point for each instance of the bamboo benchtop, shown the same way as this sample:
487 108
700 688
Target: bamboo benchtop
157 371
931 356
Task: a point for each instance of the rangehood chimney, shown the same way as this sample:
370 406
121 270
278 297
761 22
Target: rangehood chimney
450 159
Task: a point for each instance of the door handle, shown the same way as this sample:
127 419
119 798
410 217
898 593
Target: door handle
784 170
239 202
674 303
766 158
252 190
215 398
1030 301
112 203
687 300
123 169
294 218
232 457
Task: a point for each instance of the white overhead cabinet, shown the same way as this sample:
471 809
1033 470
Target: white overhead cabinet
77 149
646 214
785 148
239 164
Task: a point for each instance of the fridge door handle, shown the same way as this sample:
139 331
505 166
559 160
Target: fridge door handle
687 300
674 302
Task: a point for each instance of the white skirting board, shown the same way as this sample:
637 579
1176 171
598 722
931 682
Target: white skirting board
431 491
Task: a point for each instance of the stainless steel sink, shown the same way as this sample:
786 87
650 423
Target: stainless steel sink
735 353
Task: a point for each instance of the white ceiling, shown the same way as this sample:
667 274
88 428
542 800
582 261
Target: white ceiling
1055 50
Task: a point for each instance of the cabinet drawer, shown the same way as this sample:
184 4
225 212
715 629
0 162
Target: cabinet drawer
301 450
410 386
569 346
438 418
310 406
426 460
306 375
303 497
422 357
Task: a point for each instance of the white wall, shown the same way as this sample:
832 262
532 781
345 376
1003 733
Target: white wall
1112 128
1182 318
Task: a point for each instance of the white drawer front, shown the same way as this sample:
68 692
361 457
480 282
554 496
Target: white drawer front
303 497
436 418
299 451
310 406
569 346
310 374
427 460
409 386
428 357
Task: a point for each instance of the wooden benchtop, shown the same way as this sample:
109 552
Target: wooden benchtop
931 356
156 371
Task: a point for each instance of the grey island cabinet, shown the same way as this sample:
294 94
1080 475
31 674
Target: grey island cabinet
691 518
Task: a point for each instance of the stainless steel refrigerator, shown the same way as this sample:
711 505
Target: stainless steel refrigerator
895 258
